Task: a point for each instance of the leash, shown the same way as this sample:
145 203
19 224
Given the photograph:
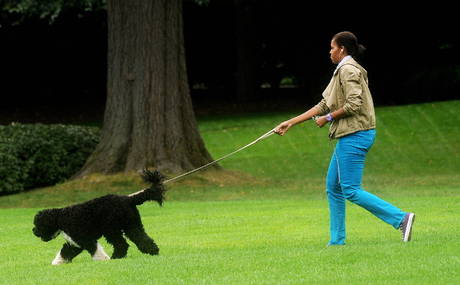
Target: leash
262 137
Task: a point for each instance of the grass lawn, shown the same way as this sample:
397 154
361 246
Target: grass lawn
251 242
265 219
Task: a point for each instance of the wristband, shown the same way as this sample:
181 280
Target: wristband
329 117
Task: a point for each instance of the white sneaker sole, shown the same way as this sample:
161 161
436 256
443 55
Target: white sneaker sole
408 231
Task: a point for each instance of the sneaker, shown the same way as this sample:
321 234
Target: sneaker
406 226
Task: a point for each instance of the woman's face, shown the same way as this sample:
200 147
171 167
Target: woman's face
336 52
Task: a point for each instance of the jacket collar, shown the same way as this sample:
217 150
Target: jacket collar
346 60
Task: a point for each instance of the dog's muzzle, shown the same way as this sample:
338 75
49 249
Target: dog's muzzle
45 238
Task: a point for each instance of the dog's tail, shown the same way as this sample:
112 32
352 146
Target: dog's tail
156 191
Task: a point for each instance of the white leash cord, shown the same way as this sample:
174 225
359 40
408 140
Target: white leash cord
264 136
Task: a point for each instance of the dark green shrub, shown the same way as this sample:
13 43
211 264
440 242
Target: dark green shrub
41 155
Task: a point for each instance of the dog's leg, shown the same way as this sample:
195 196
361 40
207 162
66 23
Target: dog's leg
95 250
120 246
66 254
143 242
58 260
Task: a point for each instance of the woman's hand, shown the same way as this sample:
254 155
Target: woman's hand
321 121
282 128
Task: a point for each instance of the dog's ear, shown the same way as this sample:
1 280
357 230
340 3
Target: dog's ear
46 217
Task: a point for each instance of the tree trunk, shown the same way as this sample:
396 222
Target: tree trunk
148 120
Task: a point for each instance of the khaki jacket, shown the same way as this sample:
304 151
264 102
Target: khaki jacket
349 89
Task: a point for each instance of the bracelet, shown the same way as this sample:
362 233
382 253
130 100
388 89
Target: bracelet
329 117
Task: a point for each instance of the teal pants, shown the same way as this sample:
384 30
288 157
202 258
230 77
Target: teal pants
344 180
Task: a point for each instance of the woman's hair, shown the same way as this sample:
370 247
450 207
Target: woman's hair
350 42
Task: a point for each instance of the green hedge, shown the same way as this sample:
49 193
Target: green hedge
40 155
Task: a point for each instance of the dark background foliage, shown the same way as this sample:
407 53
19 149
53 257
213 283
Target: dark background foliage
59 69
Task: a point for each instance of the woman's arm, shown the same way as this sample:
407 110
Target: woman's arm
323 120
282 128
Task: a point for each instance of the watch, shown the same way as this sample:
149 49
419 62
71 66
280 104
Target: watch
329 117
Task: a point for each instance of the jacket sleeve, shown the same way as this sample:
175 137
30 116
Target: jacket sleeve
351 85
322 107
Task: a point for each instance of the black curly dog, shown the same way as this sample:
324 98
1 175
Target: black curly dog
111 216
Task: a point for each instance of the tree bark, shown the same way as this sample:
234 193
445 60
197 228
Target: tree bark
149 119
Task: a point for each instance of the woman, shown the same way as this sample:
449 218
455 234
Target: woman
347 105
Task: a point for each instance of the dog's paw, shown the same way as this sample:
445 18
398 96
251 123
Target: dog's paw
100 254
58 260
